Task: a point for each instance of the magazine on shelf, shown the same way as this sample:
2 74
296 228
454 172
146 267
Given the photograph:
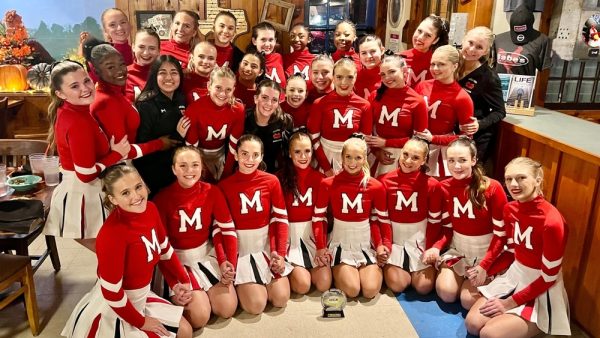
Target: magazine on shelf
520 91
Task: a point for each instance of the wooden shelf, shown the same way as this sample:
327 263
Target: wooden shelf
28 93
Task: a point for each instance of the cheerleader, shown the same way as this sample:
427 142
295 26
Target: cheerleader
84 152
415 206
116 29
300 184
271 124
321 77
370 51
336 116
192 210
474 204
530 298
397 112
250 73
161 106
183 35
202 61
361 237
258 209
224 28
216 124
431 33
264 40
343 39
146 49
448 105
131 243
300 59
295 103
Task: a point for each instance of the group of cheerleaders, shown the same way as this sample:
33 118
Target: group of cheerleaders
356 179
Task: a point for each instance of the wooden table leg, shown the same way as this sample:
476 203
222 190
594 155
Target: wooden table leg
51 243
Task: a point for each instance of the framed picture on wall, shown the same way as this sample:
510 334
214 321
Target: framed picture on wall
278 13
160 21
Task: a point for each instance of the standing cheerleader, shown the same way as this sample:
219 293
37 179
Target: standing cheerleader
336 116
474 203
370 50
431 33
216 123
321 77
415 207
183 35
300 185
84 152
448 105
530 297
131 243
398 111
202 61
361 237
146 49
343 39
295 102
300 59
264 40
250 73
258 209
192 210
224 28
116 29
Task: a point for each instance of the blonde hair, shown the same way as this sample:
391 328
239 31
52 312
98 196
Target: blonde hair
190 66
222 72
322 57
344 62
360 143
534 166
104 13
488 35
195 19
110 176
451 54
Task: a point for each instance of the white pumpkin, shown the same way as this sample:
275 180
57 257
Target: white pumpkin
38 76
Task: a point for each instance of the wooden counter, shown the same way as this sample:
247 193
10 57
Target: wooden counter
569 150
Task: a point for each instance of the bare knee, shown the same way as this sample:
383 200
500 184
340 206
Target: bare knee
254 306
489 332
225 310
447 295
198 317
370 292
396 283
300 286
350 290
185 329
423 287
467 300
473 325
323 285
279 299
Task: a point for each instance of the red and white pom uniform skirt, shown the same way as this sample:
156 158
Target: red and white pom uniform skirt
76 210
254 264
214 161
408 245
333 151
438 161
201 265
465 251
549 311
377 168
302 249
93 317
350 243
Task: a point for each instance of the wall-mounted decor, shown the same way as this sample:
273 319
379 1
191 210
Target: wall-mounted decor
213 8
160 21
278 13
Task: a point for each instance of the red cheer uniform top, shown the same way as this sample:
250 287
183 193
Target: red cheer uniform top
367 80
224 54
336 118
181 51
245 94
300 114
298 62
82 146
136 80
300 208
125 50
274 68
192 215
194 86
213 127
256 201
447 106
414 197
418 64
313 94
398 113
338 54
119 118
128 247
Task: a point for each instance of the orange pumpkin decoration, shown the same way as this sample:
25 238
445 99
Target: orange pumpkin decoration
13 78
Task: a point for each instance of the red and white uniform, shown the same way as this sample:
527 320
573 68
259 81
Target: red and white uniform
181 51
537 232
300 209
471 231
415 207
299 115
332 120
418 66
245 94
195 86
76 210
360 219
136 80
367 80
448 105
215 130
313 95
128 248
190 216
398 113
224 54
298 62
338 54
125 50
274 68
119 118
258 210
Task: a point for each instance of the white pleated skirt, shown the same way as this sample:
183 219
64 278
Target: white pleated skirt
549 311
438 162
465 251
76 210
302 248
93 307
408 245
350 243
333 151
378 168
214 161
201 265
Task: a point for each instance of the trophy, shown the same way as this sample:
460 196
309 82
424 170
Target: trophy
333 302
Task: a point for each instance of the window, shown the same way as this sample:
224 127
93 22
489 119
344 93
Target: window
573 85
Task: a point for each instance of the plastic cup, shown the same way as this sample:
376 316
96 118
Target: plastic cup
2 179
36 161
51 171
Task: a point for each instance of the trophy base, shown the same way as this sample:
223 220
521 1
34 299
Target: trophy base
329 313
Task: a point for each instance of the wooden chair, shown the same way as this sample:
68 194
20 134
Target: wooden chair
14 153
18 269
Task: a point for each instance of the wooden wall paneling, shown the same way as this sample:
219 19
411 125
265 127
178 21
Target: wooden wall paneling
549 157
253 10
417 14
480 12
381 19
510 145
575 191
